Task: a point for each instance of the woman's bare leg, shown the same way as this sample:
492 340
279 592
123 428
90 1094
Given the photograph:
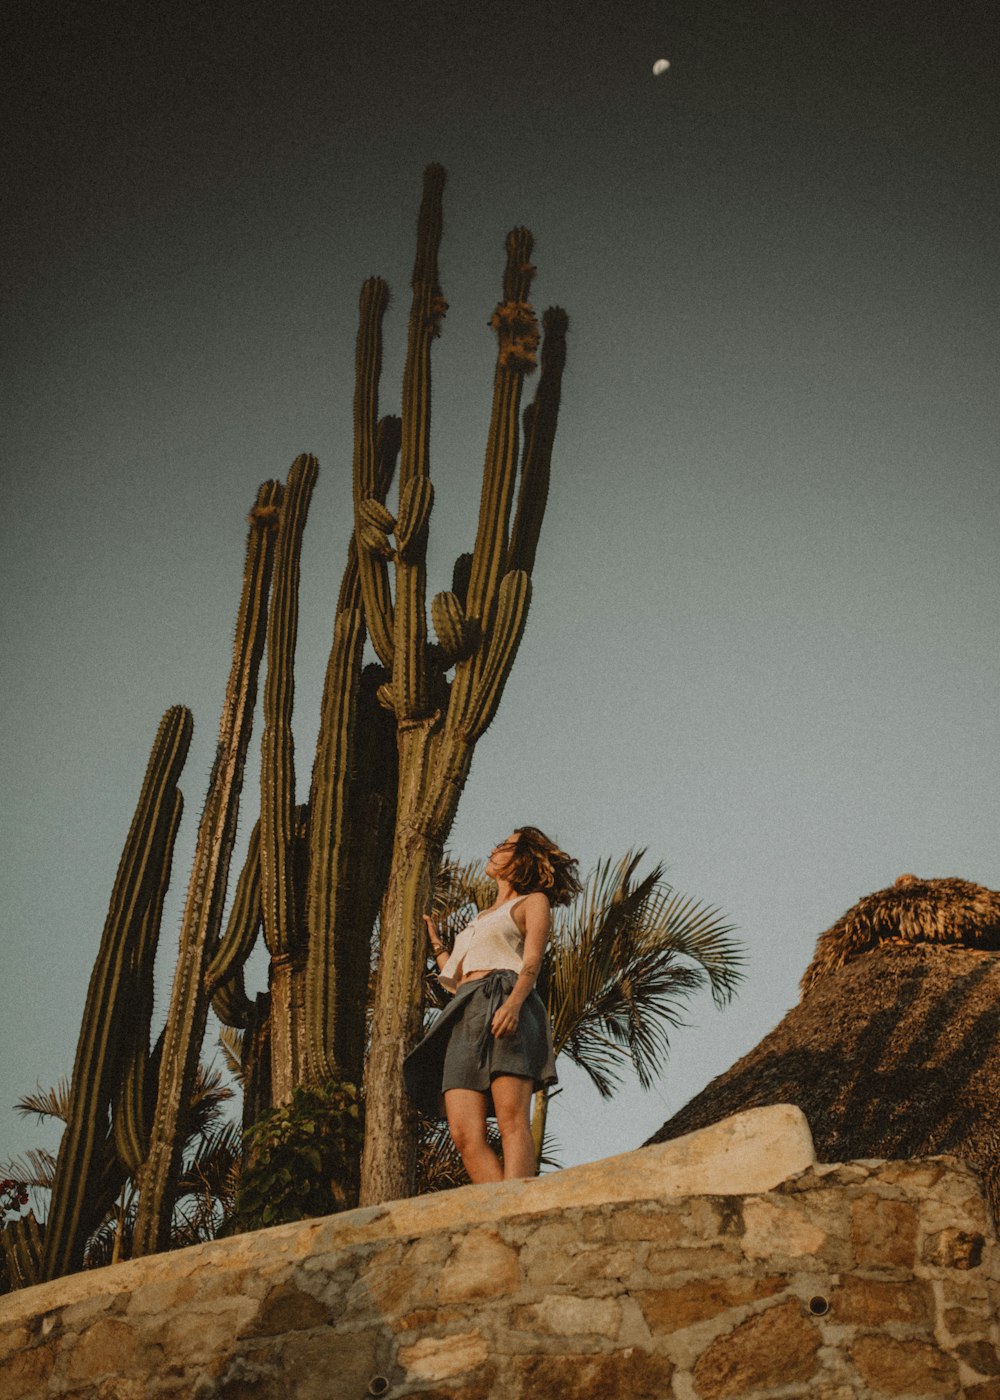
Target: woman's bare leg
512 1101
466 1110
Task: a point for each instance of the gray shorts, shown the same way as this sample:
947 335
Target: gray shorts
460 1050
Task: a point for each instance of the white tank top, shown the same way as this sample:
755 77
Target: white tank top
492 940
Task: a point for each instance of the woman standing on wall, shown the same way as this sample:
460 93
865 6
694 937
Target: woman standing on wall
491 1047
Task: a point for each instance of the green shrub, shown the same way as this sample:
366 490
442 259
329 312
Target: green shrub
302 1159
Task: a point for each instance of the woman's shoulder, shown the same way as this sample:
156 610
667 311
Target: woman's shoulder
533 902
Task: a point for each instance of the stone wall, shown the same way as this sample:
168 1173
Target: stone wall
645 1276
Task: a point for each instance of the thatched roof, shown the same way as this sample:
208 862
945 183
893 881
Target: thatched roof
910 911
894 1049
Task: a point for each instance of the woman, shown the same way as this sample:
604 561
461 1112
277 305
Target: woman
491 1048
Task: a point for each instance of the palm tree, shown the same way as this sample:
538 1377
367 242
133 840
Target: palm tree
622 962
207 1185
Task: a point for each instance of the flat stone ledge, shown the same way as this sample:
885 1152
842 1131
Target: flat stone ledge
744 1155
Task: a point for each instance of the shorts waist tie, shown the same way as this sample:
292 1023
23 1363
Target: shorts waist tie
497 986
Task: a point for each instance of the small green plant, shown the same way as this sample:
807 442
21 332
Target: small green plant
301 1159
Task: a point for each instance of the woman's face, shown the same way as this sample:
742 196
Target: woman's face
500 856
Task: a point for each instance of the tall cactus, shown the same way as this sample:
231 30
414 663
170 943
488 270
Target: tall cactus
129 931
280 898
202 918
479 626
351 810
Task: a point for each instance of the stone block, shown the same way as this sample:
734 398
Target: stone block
286 1308
199 1336
435 1358
637 1374
669 1310
771 1229
13 1339
904 1367
401 1278
981 1356
565 1315
109 1346
871 1302
650 1223
329 1364
481 1386
482 1266
884 1232
667 1263
777 1347
954 1249
24 1376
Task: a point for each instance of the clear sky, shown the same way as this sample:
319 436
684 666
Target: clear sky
763 642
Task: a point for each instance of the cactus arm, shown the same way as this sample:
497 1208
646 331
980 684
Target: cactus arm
517 340
277 775
130 1113
188 1009
540 419
98 1050
224 978
508 628
23 1248
376 488
410 679
328 803
367 476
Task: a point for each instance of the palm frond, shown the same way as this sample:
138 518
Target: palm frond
207 1099
37 1168
212 1161
46 1103
231 1045
623 961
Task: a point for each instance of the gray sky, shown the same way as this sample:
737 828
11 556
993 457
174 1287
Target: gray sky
763 642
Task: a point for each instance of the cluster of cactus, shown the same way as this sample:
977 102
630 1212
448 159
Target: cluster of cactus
394 749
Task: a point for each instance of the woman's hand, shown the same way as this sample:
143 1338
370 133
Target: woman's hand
505 1019
437 947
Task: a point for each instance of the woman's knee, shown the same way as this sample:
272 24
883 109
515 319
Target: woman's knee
467 1134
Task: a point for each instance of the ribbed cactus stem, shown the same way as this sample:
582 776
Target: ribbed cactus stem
410 680
508 628
202 918
426 312
277 771
131 1109
224 978
23 1251
98 1054
329 835
369 481
540 419
517 338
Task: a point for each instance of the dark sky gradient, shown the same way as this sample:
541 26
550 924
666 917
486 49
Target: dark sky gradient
763 641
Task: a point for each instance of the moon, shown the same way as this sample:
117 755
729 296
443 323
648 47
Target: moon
660 66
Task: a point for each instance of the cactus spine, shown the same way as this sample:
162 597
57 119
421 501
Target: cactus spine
188 1009
479 626
102 1030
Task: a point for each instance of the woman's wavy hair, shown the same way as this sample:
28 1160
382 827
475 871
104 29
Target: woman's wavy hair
536 863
